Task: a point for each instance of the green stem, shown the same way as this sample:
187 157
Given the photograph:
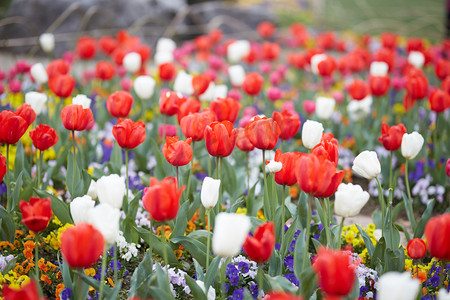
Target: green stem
79 285
38 167
281 145
341 227
192 171
382 203
308 230
264 166
103 273
408 191
283 217
209 166
391 188
74 162
217 167
115 263
260 279
8 184
126 178
164 242
248 171
208 243
36 255
326 211
178 178
164 130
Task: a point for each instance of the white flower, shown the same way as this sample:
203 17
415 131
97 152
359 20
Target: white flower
82 100
47 42
93 189
79 208
163 57
183 83
325 107
105 218
111 189
443 294
220 91
236 74
165 45
144 86
379 68
315 60
36 100
411 144
397 286
349 199
367 165
274 166
211 291
208 95
39 73
132 62
230 232
311 133
377 233
210 192
416 59
358 110
237 50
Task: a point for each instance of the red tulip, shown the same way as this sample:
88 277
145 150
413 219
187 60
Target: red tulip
335 272
263 133
215 36
437 233
297 60
27 113
289 123
252 83
389 40
259 247
118 56
447 168
119 104
328 147
193 125
107 44
445 84
326 67
391 137
439 101
220 138
3 167
43 137
162 199
242 141
417 84
386 55
379 85
167 71
358 89
225 109
12 127
36 214
186 107
408 101
414 44
277 295
200 84
129 134
169 103
177 153
75 117
286 176
28 291
57 67
326 40
270 51
442 68
105 70
86 47
266 29
62 85
144 52
416 248
82 245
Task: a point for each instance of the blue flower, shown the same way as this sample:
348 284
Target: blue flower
291 277
277 246
111 265
231 270
234 280
226 287
363 290
238 294
435 280
254 290
66 294
289 262
244 267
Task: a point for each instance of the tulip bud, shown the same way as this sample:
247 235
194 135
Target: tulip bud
183 83
230 232
237 75
309 106
211 291
47 42
367 165
273 166
379 68
315 60
238 50
39 73
163 57
111 189
82 100
311 133
36 100
416 59
210 192
132 62
349 199
79 208
144 86
165 45
325 107
93 189
411 144
394 285
416 248
105 219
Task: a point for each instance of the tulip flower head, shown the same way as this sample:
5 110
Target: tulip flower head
47 42
3 167
119 104
437 233
78 208
367 165
105 219
111 189
39 73
391 137
225 109
411 144
349 199
177 153
273 166
311 133
252 83
325 107
82 100
416 248
129 134
76 118
12 127
43 137
237 75
210 192
259 247
394 285
144 86
132 62
230 232
62 85
263 133
220 138
26 112
286 175
289 123
29 291
36 214
36 100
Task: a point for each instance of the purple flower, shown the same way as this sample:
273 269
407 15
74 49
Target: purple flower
289 262
231 270
291 277
254 290
66 294
244 267
238 294
234 280
112 265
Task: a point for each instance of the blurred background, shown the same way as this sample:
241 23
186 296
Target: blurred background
22 21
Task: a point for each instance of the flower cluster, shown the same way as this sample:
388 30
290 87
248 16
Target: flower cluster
241 274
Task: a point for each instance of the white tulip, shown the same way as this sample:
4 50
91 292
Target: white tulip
230 232
274 166
79 208
358 110
163 57
47 42
210 192
183 83
211 291
82 100
237 50
349 199
443 294
39 73
315 60
311 133
325 107
208 95
93 189
132 62
36 100
111 189
220 91
106 219
411 144
367 165
144 86
397 286
165 45
379 68
377 233
236 74
416 59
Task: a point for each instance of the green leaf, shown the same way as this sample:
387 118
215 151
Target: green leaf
275 264
7 226
181 220
394 260
254 203
229 178
378 254
397 210
280 283
308 283
19 162
367 241
199 271
288 237
267 202
302 209
141 277
299 254
16 191
196 290
404 230
73 175
155 242
196 248
163 280
212 272
10 265
409 212
420 228
59 208
116 160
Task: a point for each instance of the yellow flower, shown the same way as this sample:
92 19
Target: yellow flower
260 215
371 227
398 109
12 154
89 272
355 242
241 211
49 154
349 236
